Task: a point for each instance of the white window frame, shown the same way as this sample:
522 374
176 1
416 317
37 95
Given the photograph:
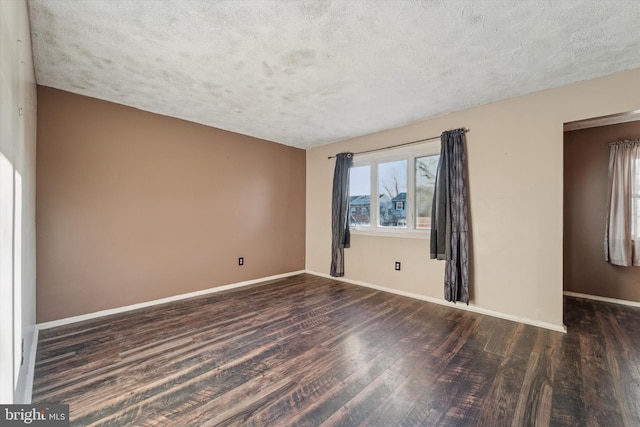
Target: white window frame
408 153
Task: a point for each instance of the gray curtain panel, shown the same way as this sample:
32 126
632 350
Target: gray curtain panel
339 213
622 233
449 216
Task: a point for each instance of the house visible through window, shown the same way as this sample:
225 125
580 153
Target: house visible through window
360 194
392 188
391 191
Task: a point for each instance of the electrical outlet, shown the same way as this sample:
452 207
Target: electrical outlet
241 261
397 265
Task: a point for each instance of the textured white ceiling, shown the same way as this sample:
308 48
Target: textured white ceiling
306 73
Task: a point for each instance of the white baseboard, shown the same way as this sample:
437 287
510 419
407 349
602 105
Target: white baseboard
94 315
604 299
31 366
460 306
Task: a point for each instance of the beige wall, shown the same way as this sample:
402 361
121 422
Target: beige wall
134 206
586 162
516 175
17 201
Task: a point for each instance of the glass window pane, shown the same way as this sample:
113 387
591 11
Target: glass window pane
359 196
426 169
392 194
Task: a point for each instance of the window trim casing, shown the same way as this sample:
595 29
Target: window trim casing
409 153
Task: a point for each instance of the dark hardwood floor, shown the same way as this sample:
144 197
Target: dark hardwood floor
312 351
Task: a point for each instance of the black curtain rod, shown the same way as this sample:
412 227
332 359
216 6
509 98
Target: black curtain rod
397 145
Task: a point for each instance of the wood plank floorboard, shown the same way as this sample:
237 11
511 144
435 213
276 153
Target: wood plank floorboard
311 351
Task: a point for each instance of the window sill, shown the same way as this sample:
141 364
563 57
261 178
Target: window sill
406 234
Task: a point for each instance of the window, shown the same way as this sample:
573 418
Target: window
359 196
426 169
391 191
